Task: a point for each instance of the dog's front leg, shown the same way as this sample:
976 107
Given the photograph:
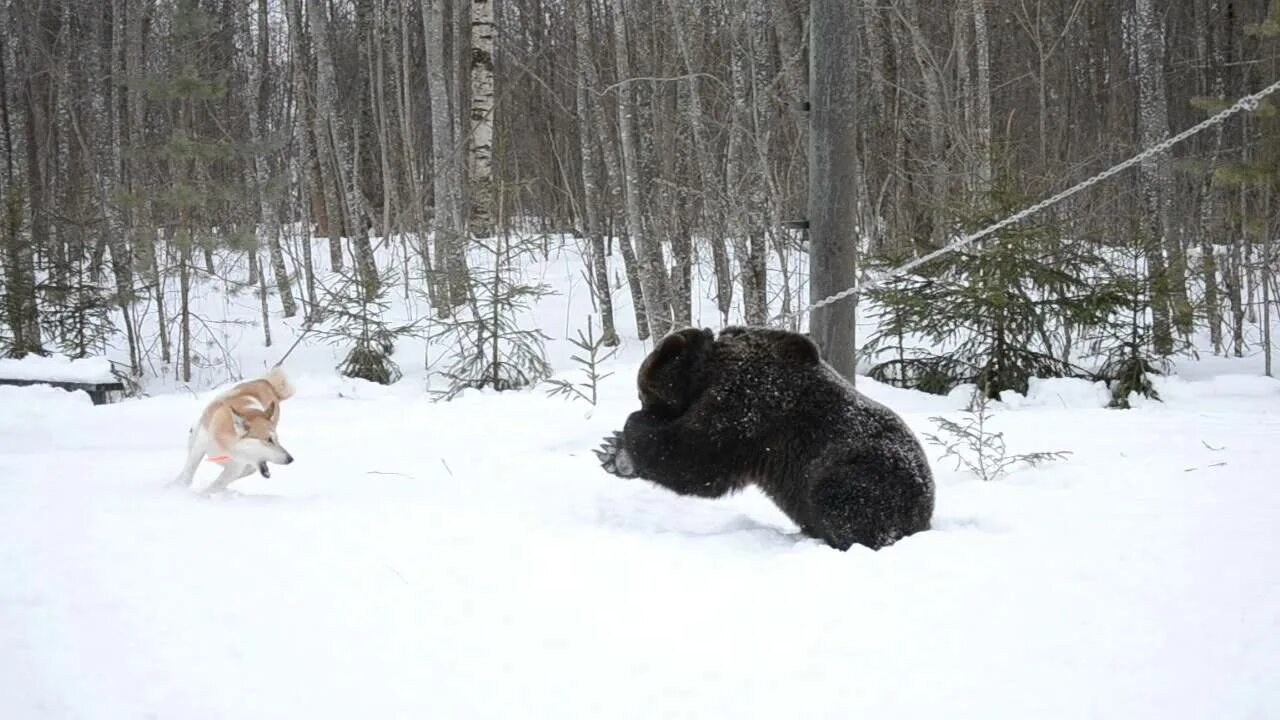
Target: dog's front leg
231 472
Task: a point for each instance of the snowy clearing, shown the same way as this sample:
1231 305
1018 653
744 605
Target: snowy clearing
469 559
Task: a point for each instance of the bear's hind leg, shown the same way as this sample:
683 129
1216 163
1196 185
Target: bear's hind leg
869 502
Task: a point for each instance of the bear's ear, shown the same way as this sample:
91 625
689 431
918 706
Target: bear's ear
797 348
669 348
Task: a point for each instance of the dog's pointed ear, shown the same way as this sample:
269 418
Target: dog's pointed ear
237 421
271 409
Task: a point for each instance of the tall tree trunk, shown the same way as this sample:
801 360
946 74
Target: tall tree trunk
39 27
344 172
744 181
304 161
652 269
591 190
257 69
833 179
19 275
484 32
1154 174
184 308
713 193
936 165
450 226
326 169
613 166
1212 83
412 164
982 96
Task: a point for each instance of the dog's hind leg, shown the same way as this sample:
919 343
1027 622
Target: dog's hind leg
195 453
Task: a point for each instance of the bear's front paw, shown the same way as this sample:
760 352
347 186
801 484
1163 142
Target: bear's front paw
614 458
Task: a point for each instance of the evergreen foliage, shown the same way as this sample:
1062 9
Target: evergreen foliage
594 353
357 320
494 349
999 311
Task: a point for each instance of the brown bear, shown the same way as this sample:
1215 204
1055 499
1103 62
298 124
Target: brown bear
759 406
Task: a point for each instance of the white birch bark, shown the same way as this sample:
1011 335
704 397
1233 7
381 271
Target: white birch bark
982 96
1154 173
302 137
448 223
484 32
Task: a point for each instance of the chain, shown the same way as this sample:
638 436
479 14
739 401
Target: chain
1248 102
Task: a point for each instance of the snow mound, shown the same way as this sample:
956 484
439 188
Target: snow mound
57 368
1061 393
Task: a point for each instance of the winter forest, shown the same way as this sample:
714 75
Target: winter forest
149 145
462 227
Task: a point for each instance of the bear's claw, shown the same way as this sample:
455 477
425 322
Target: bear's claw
614 458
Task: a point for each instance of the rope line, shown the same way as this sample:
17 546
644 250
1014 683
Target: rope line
1248 102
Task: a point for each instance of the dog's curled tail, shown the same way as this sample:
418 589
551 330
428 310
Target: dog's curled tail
279 382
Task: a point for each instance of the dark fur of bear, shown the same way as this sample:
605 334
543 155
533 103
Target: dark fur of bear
759 406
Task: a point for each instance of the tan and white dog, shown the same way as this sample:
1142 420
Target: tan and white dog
238 429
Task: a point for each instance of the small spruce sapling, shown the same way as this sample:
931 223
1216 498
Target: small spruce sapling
494 350
977 448
357 321
593 354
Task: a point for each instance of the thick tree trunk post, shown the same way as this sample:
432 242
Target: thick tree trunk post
833 178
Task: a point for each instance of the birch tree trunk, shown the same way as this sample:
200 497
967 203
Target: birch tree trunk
302 137
982 96
1209 50
1154 173
449 225
652 272
484 32
591 190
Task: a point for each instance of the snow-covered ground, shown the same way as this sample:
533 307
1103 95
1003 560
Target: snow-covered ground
470 560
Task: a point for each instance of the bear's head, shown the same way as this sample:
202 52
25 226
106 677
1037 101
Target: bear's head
673 375
763 343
